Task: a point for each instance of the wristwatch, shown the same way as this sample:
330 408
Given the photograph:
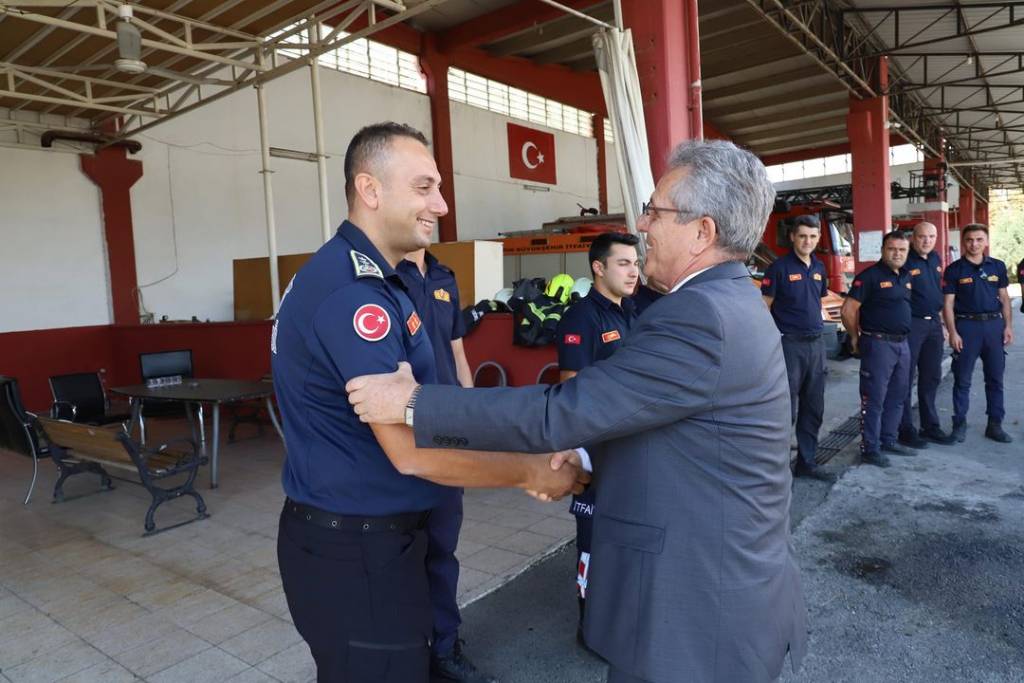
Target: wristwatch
410 407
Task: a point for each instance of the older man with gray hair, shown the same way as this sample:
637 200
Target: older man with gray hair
688 426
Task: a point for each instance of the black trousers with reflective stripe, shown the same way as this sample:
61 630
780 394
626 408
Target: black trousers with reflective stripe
360 601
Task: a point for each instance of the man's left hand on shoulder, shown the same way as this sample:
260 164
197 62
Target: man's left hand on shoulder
381 399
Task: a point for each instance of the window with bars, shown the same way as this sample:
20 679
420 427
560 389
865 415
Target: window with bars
500 98
840 163
365 58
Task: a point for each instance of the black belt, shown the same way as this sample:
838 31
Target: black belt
802 337
885 337
927 317
400 523
979 316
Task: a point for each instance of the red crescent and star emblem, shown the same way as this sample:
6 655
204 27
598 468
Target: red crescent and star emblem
371 322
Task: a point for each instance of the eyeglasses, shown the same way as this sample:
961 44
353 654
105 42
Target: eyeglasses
651 211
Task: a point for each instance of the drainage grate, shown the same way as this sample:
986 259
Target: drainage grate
838 439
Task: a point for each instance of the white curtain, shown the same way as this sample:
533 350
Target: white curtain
616 64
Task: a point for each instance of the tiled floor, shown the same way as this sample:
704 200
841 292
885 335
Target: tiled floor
83 597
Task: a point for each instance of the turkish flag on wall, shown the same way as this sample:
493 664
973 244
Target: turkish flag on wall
531 154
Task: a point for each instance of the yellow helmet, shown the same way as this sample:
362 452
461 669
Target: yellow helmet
560 287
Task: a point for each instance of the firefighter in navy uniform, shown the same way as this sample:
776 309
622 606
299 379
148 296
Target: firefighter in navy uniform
352 541
926 339
590 330
435 295
793 287
877 318
977 313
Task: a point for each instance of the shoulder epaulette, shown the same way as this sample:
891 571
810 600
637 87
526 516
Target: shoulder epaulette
365 266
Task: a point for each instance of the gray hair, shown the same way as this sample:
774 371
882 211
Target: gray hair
728 184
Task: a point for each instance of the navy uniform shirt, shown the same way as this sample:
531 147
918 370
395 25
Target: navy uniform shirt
644 297
976 286
885 299
797 290
436 298
925 283
591 329
345 314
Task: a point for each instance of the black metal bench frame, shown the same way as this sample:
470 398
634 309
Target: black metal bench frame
72 461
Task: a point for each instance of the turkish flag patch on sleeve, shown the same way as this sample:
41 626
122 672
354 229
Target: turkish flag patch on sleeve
531 154
573 339
372 323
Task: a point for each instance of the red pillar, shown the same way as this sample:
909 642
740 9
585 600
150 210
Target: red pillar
114 173
666 43
435 67
866 125
936 209
981 210
965 214
602 164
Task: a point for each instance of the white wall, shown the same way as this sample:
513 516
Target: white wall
53 262
199 204
488 201
202 184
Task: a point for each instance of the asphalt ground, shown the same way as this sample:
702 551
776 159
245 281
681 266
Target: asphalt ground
912 573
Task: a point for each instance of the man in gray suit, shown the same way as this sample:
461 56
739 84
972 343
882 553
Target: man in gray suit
688 424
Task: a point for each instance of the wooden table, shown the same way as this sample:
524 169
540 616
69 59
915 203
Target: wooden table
196 392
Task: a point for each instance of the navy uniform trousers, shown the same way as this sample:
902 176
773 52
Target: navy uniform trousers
884 376
984 339
926 345
443 528
805 369
382 634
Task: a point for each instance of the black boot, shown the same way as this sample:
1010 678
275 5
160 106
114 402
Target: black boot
936 435
995 432
457 668
911 439
959 431
874 458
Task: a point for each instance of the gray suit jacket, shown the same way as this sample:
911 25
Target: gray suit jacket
692 572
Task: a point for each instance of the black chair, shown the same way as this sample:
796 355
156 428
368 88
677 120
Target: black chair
548 374
18 428
79 397
490 374
164 364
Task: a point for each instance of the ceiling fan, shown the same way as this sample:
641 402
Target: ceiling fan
129 55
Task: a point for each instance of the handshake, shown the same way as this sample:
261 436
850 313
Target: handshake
558 475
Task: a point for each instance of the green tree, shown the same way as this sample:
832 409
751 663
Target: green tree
1006 225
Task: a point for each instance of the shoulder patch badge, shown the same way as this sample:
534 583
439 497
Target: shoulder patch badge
413 324
610 336
372 323
574 339
365 266
766 282
442 295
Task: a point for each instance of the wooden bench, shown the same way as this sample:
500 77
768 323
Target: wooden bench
79 448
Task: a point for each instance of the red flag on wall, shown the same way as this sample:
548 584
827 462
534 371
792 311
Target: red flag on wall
531 154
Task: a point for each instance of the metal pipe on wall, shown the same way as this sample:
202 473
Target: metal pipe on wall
318 132
268 196
693 66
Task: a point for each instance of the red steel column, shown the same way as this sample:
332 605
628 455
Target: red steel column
435 67
114 173
936 211
981 210
669 78
965 212
602 164
866 124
